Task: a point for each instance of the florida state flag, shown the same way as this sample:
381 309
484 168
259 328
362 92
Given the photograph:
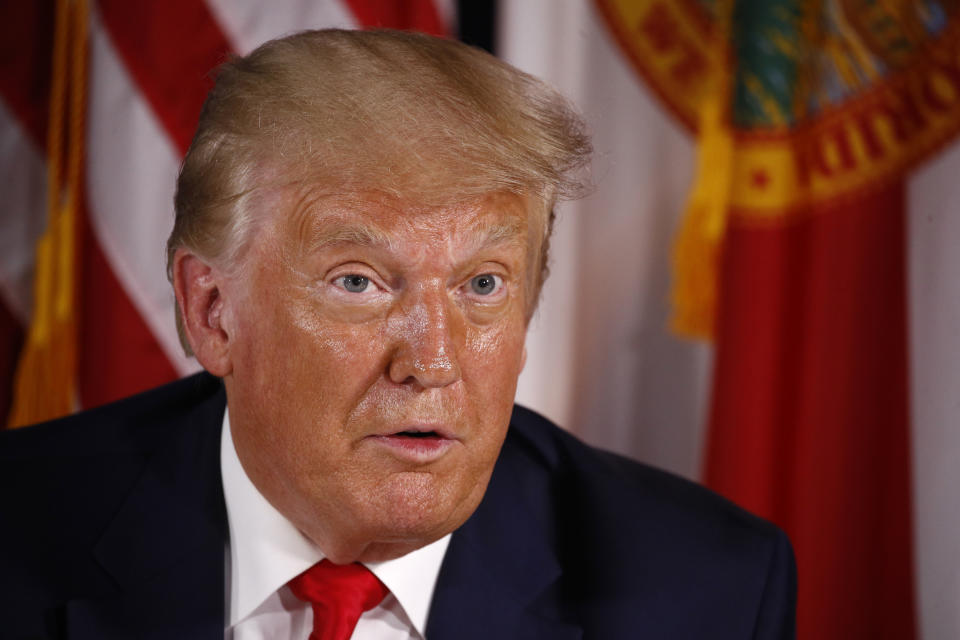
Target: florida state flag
792 257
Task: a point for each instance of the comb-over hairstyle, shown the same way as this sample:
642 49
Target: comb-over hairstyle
403 115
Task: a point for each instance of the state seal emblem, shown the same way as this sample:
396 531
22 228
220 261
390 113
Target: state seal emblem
797 104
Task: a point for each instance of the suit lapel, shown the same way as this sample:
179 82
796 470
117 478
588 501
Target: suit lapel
500 575
166 546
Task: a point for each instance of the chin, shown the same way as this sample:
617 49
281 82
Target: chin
420 508
396 515
413 503
393 532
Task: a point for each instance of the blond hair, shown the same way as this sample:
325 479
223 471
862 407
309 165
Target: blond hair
403 114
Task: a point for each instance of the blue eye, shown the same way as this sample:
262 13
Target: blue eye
484 284
354 283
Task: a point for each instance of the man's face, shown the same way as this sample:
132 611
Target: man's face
375 348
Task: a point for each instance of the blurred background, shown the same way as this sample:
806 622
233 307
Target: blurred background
762 292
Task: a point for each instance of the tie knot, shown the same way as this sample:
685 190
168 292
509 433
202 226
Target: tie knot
338 595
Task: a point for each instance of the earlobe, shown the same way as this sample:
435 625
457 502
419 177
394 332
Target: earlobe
199 290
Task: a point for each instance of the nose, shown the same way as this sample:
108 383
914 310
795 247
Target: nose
426 331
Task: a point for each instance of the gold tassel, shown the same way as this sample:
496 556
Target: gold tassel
696 250
694 295
46 381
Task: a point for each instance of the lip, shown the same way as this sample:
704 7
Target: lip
406 445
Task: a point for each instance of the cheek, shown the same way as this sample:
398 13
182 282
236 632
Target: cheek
495 359
332 366
498 346
287 349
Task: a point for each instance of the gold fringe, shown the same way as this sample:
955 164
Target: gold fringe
46 381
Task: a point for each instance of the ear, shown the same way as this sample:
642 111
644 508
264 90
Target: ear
198 287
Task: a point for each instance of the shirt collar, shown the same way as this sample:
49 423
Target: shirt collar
266 550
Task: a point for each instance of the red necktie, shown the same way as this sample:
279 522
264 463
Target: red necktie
338 594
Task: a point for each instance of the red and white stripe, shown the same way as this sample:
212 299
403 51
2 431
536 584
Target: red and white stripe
150 67
26 31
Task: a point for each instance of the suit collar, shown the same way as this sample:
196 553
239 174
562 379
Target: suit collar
166 546
500 575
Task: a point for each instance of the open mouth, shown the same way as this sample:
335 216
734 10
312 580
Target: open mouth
418 445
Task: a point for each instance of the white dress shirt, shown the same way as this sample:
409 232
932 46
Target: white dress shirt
266 551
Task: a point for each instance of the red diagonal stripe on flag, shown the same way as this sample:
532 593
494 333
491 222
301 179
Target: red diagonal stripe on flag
417 15
810 415
11 340
170 49
26 43
119 355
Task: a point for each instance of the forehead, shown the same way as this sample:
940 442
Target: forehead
314 219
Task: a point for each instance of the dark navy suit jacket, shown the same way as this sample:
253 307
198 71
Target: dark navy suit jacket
113 525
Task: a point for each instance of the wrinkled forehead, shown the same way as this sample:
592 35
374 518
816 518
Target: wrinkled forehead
311 217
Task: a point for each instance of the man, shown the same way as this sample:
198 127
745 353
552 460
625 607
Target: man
361 236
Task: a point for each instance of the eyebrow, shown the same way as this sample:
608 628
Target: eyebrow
357 234
510 232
